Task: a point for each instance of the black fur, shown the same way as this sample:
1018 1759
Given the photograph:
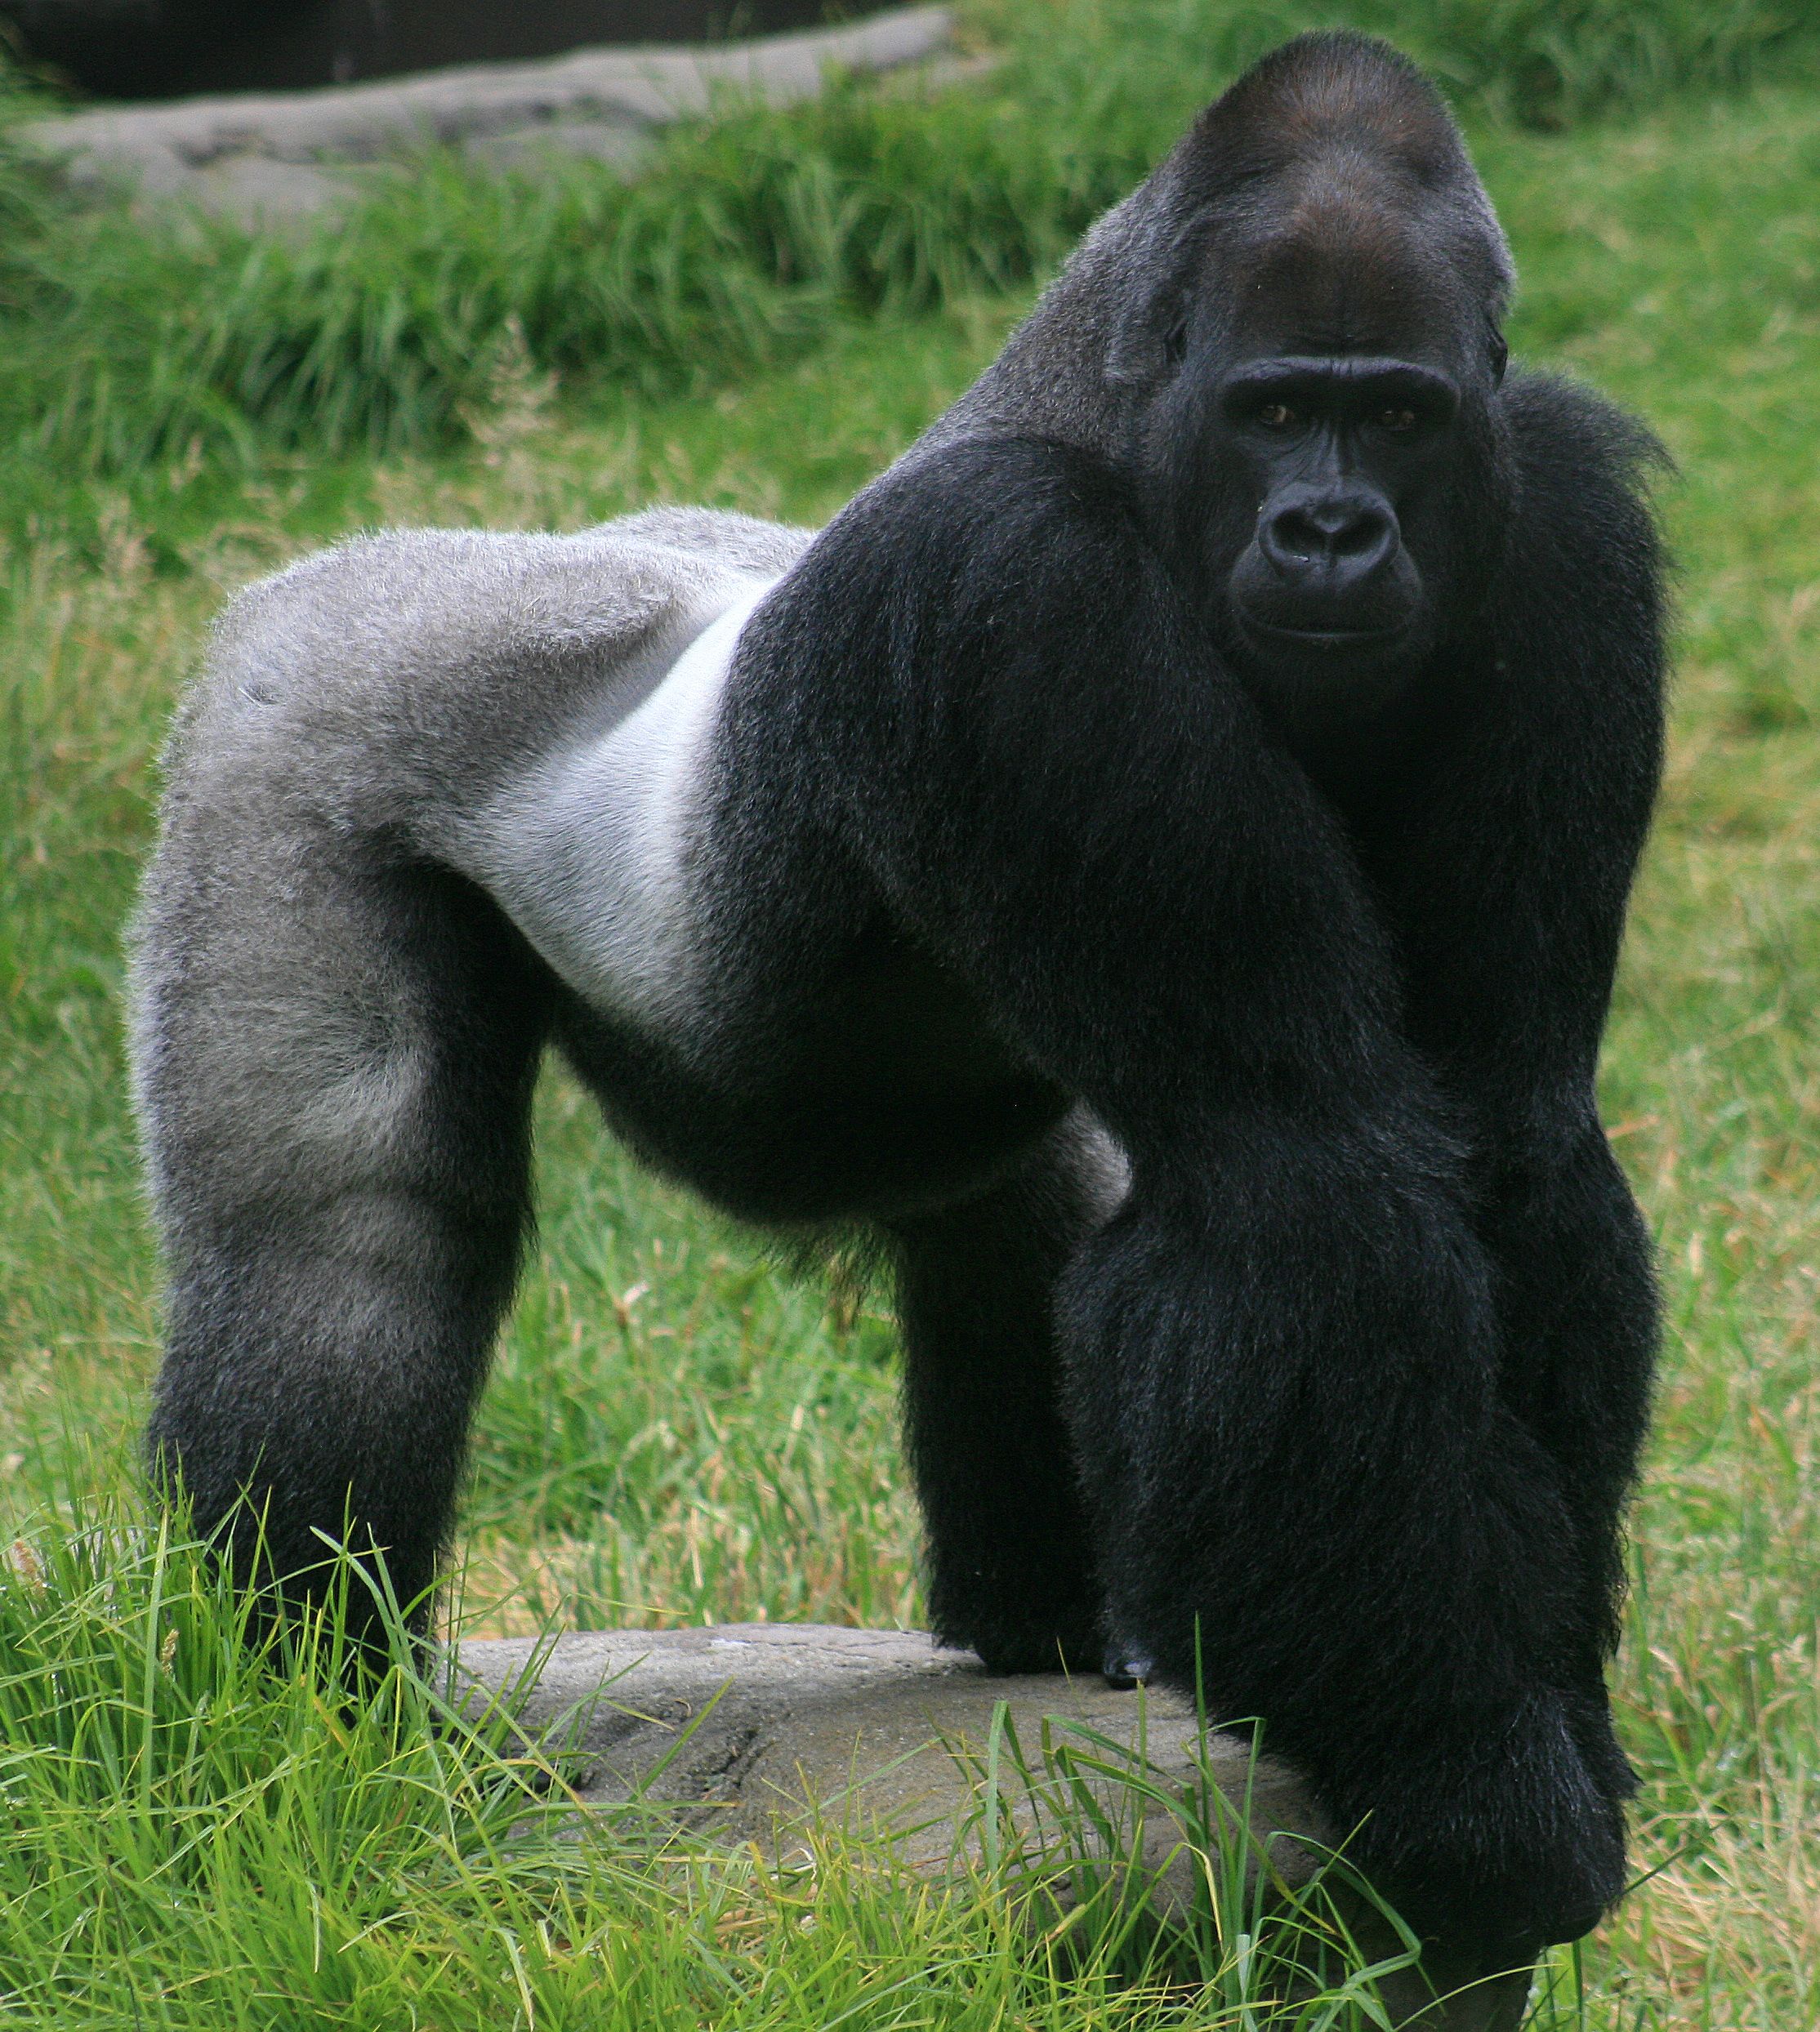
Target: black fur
1164 862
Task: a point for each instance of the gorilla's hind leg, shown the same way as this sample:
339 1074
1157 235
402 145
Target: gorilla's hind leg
1010 1570
335 1076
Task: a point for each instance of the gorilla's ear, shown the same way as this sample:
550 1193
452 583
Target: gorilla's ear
1151 271
1498 352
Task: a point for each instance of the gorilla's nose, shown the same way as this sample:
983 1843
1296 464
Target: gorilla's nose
1326 542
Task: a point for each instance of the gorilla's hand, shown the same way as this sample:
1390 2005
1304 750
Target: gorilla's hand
1514 1842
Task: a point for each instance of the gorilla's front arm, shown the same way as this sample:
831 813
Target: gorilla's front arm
1503 853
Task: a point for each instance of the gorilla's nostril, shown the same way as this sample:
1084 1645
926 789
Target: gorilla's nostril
1296 536
1362 531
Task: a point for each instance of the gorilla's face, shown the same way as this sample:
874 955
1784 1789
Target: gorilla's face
1348 457
1337 468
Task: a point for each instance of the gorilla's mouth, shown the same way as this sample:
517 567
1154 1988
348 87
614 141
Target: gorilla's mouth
1281 643
1326 637
1318 626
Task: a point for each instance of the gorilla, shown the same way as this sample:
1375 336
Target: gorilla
1155 863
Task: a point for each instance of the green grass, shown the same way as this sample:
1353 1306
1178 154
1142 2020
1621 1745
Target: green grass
676 1432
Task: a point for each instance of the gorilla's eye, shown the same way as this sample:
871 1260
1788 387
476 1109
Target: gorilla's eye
1396 420
1275 415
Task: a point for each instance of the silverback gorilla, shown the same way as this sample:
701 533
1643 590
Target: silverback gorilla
1156 861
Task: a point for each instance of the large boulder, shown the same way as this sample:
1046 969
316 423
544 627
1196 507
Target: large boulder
747 1728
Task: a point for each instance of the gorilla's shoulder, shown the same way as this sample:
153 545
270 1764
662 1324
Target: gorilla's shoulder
992 512
1573 446
981 476
1587 530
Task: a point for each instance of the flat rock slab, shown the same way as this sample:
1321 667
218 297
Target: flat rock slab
276 156
762 1724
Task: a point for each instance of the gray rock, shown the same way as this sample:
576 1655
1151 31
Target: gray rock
274 156
749 1728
